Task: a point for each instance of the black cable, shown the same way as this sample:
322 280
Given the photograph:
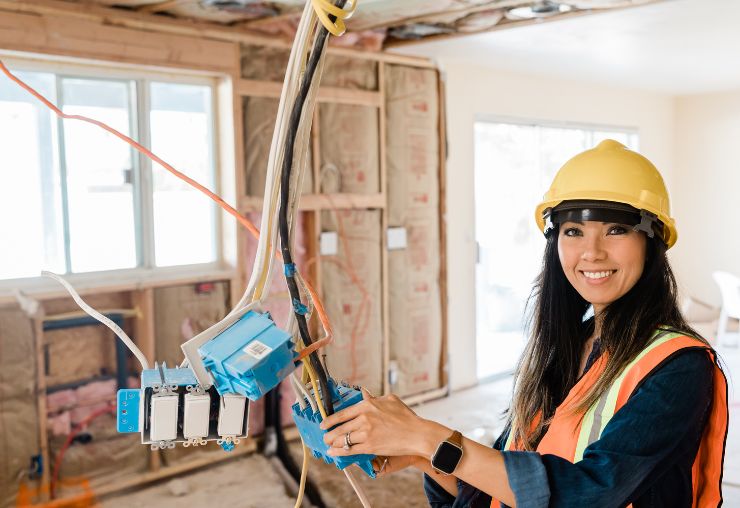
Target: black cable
283 225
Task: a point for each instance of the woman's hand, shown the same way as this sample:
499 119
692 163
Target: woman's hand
386 465
382 426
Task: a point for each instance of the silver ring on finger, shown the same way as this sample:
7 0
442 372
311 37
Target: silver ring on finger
347 441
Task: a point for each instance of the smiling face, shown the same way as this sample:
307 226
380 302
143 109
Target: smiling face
602 261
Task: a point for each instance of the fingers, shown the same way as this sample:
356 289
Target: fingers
341 431
357 437
366 394
341 417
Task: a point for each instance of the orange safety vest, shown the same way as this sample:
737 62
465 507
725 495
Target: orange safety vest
569 434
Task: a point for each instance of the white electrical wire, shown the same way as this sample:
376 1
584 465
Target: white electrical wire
100 317
357 488
268 226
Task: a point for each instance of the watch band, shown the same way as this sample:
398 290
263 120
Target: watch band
448 454
455 438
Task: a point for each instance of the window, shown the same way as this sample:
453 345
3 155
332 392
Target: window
74 198
514 165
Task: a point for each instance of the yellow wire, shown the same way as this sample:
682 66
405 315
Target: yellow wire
304 474
323 8
312 377
342 13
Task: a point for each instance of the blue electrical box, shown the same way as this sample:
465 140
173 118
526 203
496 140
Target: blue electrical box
308 422
128 410
250 358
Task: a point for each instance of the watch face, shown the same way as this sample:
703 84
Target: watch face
447 457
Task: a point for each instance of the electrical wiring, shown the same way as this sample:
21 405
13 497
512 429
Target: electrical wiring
357 488
304 475
288 150
299 113
100 317
325 9
68 441
215 197
225 206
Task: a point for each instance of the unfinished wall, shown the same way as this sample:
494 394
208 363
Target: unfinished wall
352 297
182 312
18 411
349 149
260 114
413 204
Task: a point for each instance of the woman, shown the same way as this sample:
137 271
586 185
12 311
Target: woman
627 407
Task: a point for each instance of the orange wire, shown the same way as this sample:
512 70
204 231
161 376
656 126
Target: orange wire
223 204
363 311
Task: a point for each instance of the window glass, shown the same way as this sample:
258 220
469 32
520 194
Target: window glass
99 176
30 201
514 165
76 198
184 218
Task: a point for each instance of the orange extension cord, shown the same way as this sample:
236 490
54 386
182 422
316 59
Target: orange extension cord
70 437
326 324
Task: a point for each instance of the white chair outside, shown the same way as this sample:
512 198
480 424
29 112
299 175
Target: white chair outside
728 332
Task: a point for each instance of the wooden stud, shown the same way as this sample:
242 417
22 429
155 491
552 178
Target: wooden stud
135 283
384 261
239 283
316 202
96 40
145 338
422 397
162 6
315 230
38 336
273 89
112 17
442 127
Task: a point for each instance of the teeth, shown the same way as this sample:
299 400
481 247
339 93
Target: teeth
598 275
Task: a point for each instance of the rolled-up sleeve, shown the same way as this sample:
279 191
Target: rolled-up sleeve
527 478
436 495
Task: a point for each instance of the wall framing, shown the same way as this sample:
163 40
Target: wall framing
75 32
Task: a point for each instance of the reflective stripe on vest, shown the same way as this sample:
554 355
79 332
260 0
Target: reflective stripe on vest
569 435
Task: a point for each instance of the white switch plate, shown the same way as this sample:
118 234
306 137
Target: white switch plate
396 238
164 418
231 415
329 243
197 410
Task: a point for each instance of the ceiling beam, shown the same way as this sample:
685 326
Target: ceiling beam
162 6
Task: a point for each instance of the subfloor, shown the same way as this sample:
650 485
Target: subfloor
256 482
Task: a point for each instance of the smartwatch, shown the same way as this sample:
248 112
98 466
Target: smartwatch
448 454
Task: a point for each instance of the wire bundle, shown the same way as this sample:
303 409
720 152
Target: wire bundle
288 155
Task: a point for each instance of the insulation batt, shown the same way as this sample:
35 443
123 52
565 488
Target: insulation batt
413 197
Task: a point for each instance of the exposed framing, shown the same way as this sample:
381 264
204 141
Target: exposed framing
163 44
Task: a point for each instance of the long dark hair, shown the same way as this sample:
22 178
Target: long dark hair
550 364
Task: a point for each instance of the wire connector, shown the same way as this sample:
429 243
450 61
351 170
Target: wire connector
307 421
299 308
289 269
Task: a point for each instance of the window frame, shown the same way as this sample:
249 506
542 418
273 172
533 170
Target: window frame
139 78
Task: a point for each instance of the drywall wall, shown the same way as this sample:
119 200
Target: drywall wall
706 192
472 91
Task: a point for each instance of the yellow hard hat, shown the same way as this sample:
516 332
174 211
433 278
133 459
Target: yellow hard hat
611 172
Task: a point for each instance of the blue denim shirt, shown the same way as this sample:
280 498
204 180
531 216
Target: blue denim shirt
644 455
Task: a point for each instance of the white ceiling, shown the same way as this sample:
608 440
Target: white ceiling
677 47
